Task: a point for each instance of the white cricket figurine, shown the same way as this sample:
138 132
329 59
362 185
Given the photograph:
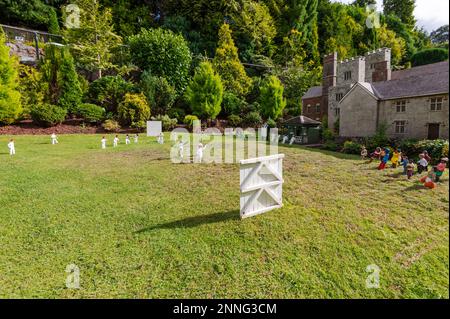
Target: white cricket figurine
136 137
127 140
161 138
181 149
103 142
292 140
116 141
54 139
200 148
12 148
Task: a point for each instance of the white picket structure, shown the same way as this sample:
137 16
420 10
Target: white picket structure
261 181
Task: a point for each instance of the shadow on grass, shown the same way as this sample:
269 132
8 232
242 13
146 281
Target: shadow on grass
415 187
195 221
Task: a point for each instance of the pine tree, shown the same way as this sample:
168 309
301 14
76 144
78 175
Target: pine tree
403 9
70 88
10 104
226 63
93 41
205 92
271 98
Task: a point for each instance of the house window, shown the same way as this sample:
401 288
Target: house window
400 106
436 103
308 108
317 108
337 112
400 127
339 97
372 66
348 75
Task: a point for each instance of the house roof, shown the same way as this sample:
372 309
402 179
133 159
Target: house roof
420 81
315 91
302 120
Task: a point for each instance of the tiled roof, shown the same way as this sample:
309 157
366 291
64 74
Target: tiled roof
420 81
315 91
302 120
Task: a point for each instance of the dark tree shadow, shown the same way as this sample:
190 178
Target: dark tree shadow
195 221
415 187
396 175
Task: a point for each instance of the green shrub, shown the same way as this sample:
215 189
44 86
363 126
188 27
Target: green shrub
205 91
352 148
253 119
429 56
436 148
189 120
331 146
48 114
328 135
271 98
232 104
380 138
111 126
134 110
163 53
271 123
177 113
91 113
109 91
234 120
160 94
167 123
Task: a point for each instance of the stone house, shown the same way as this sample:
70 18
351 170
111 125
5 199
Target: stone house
363 93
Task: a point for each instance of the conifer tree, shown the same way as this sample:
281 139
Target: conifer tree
226 63
10 104
403 9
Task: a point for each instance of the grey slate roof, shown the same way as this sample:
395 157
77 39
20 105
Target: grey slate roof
419 81
302 120
315 91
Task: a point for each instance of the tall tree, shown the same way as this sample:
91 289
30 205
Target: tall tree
403 9
226 63
440 35
10 104
93 40
364 3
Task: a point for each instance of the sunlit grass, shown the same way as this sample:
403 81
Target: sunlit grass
139 226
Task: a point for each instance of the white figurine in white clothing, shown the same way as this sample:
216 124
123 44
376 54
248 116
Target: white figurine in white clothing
136 137
116 141
12 147
161 138
127 140
103 142
181 149
199 154
54 139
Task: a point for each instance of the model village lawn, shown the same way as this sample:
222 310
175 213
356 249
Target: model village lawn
139 226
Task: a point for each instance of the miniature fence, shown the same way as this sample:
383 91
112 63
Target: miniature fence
261 184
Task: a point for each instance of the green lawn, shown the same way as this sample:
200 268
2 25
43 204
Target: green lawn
139 226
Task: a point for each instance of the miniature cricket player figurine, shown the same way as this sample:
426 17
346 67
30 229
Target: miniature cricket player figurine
181 149
161 138
12 148
116 141
200 148
127 140
54 139
103 142
136 137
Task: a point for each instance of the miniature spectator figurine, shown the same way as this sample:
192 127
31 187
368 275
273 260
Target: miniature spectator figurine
404 162
199 154
375 155
116 141
410 169
396 155
127 140
363 153
440 169
386 155
12 148
103 142
54 139
428 180
181 149
422 165
136 137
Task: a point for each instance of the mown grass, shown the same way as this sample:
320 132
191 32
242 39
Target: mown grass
139 226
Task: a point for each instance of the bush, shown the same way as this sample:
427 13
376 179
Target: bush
189 120
429 56
111 126
91 113
160 94
163 53
177 113
351 147
167 123
205 91
253 119
328 135
271 98
234 120
232 104
331 146
271 123
134 110
380 138
109 91
436 149
48 114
